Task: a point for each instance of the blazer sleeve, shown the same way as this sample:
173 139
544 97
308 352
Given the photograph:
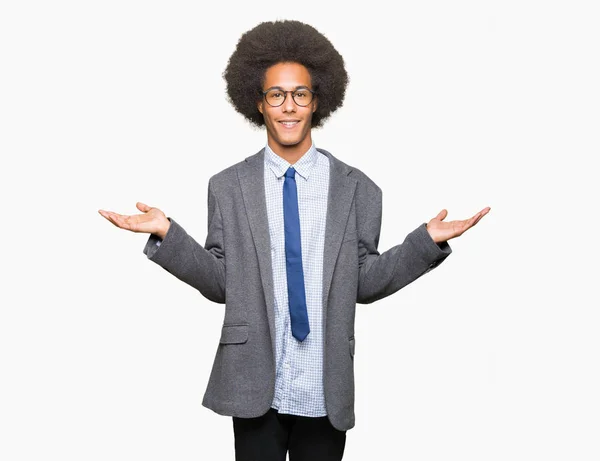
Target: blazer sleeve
202 267
381 275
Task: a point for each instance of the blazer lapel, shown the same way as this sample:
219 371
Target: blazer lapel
251 178
340 195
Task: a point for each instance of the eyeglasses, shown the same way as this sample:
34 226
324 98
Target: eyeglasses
276 96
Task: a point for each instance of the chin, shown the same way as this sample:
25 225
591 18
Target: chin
288 142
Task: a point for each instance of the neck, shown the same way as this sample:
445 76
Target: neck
290 154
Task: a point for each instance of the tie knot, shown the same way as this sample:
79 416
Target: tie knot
290 173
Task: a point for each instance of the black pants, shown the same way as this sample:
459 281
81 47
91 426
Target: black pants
269 437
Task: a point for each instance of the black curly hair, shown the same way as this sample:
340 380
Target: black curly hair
270 43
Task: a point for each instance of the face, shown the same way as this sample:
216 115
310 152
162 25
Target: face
288 125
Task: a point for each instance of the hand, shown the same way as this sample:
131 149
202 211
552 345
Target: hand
441 231
153 221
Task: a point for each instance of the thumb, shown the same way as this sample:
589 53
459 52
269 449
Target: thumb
143 207
442 214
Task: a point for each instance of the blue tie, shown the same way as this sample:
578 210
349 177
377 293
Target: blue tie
293 258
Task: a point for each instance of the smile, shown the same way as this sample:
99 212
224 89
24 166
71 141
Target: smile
290 124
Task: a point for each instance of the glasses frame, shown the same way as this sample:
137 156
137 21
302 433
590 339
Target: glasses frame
264 95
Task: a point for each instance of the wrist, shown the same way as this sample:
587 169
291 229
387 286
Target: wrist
165 228
429 232
427 229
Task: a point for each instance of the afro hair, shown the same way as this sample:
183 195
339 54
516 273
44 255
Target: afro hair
270 43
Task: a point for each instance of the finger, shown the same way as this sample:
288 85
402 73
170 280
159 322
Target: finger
442 214
116 219
113 220
143 207
111 214
481 214
474 218
122 221
479 218
107 215
466 224
462 226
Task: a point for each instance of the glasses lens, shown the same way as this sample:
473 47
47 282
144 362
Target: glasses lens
302 97
275 97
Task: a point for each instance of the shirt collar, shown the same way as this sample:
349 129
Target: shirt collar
303 166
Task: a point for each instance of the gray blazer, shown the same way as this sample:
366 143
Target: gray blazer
234 267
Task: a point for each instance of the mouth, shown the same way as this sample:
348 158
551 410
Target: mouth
289 123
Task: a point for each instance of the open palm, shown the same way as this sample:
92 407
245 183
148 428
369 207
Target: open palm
152 221
441 231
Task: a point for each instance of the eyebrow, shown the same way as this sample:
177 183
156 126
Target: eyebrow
282 89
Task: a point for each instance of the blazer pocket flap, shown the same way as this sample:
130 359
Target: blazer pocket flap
234 334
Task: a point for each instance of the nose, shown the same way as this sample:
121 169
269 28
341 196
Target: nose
288 103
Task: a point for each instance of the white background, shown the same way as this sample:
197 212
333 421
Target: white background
460 105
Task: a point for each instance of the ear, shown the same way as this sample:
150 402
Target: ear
259 105
315 103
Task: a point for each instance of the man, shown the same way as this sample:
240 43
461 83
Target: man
291 248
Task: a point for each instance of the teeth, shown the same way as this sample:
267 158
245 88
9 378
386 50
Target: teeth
289 123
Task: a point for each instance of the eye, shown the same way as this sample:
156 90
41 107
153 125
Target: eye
301 94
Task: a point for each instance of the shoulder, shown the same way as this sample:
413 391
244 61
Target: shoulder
226 177
363 181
